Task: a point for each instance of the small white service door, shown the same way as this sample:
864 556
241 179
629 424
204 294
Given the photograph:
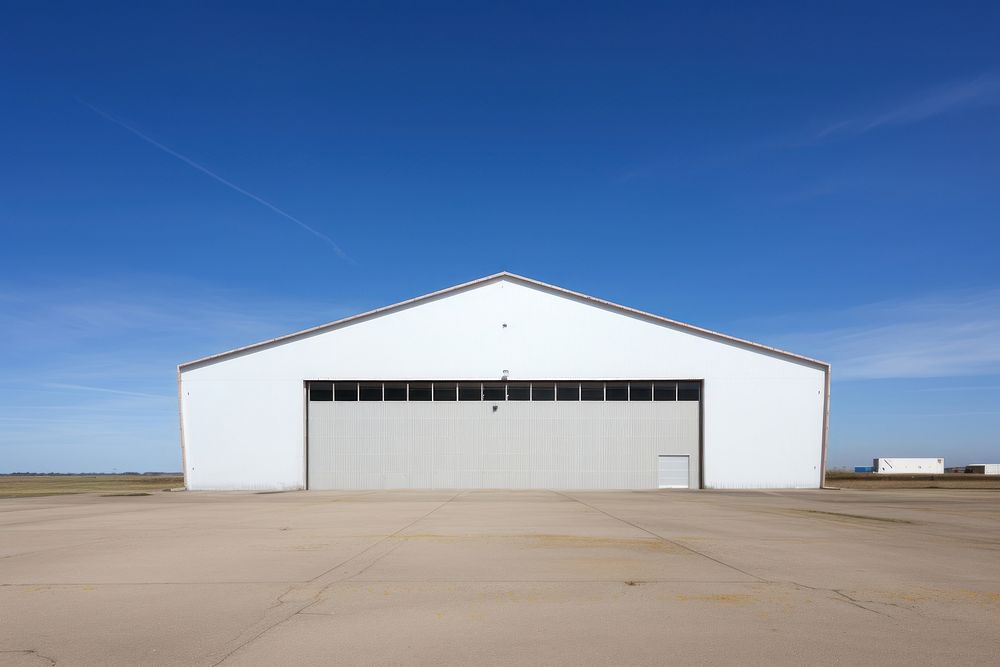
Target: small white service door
673 472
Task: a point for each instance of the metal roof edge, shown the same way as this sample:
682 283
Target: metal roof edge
342 321
667 320
492 277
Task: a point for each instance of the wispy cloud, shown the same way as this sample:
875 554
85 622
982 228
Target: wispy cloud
978 388
940 100
89 379
935 102
938 335
145 311
229 184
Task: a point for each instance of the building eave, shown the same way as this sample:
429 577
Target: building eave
503 275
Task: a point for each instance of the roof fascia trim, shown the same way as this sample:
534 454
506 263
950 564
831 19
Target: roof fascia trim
513 276
675 323
336 323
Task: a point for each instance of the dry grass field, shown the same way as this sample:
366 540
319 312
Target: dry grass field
27 486
854 480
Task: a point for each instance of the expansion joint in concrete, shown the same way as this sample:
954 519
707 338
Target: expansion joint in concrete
300 598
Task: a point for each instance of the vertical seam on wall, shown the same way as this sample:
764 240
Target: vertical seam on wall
305 435
701 436
180 423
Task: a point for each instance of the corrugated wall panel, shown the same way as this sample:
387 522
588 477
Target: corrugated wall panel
520 445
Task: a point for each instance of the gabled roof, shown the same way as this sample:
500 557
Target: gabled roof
503 275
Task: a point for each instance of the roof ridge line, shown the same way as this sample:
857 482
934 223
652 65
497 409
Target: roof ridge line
479 281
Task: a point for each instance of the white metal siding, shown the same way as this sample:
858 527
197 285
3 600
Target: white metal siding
521 445
763 413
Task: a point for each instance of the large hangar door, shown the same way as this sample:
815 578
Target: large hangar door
516 435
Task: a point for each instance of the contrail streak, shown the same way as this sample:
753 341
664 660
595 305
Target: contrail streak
229 184
80 387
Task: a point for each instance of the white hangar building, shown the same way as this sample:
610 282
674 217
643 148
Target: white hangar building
504 382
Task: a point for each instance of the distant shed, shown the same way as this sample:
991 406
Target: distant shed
983 469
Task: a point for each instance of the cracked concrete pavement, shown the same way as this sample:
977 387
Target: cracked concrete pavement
502 576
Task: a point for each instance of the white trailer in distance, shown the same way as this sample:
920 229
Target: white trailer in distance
908 466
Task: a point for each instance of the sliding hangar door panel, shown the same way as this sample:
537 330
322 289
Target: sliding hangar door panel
496 435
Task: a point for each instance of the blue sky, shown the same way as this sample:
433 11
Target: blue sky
178 180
